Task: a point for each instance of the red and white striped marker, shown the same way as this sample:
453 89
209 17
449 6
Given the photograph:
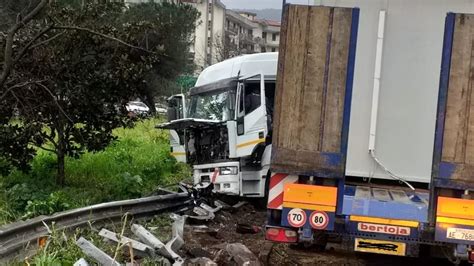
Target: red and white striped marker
214 175
275 193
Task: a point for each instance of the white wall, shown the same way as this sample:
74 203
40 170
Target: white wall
217 30
409 85
200 40
257 33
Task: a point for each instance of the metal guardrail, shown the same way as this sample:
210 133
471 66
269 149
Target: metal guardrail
15 238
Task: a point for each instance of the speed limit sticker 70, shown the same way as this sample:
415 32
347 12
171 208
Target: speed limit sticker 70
296 217
319 220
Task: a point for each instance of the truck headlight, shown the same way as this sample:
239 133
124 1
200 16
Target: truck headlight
229 170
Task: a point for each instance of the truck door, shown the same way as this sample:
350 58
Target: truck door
251 114
177 110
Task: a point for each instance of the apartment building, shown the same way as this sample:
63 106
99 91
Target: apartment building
221 33
248 34
209 32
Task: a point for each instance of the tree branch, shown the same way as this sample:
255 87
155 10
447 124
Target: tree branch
47 40
45 149
55 100
50 138
103 36
20 85
8 62
27 47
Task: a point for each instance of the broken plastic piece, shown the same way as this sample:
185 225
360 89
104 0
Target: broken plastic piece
94 252
140 249
81 262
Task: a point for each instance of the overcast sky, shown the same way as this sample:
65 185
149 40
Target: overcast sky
259 4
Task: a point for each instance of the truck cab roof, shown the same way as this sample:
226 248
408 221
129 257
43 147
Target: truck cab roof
241 66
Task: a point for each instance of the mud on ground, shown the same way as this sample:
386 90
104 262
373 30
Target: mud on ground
211 243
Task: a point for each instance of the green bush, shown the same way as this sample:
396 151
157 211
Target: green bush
131 167
56 202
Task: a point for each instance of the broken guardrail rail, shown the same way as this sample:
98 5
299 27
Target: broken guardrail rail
15 238
145 244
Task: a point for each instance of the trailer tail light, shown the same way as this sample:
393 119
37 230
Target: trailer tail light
470 256
280 234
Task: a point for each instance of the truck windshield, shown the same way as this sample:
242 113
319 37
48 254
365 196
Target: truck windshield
216 105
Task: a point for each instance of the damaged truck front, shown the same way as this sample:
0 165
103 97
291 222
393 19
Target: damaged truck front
226 130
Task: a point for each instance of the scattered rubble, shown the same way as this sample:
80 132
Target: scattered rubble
242 255
81 262
202 261
247 229
139 249
145 244
94 252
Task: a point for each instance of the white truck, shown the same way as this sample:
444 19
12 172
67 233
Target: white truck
223 126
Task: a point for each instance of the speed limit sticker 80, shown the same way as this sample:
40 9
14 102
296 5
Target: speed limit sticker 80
319 220
296 217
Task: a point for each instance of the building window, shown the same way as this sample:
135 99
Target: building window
274 37
264 35
252 47
264 49
273 49
209 25
250 32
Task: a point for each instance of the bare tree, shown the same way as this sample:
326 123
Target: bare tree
227 46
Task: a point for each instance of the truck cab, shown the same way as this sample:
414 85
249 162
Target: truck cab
225 133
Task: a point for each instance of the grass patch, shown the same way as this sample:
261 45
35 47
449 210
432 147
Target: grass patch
132 166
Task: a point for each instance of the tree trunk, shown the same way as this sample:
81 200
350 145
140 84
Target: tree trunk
60 178
61 154
148 100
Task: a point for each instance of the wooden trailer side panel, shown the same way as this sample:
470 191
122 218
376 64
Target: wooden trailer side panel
311 91
457 153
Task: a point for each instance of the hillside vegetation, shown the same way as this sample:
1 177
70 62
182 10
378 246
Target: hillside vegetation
133 166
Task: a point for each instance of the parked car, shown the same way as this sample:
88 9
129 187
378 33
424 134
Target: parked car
161 108
138 108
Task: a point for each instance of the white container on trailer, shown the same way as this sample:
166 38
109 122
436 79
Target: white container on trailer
409 84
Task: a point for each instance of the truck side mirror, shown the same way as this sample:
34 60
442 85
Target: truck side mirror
172 113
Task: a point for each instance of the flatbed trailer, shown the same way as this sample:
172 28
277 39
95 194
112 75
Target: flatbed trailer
310 197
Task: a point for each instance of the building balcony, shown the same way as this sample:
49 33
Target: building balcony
232 31
247 38
272 43
260 40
